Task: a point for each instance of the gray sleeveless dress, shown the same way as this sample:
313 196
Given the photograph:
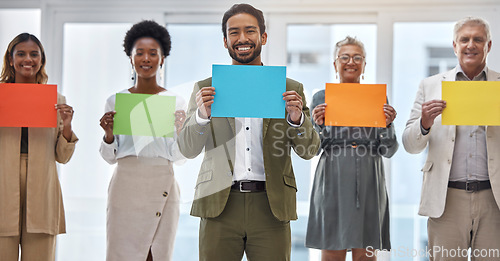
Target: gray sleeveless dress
349 204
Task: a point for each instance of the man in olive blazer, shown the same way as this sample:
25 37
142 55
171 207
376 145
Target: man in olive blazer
246 190
215 176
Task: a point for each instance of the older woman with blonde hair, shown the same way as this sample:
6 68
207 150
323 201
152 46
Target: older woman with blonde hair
349 205
31 206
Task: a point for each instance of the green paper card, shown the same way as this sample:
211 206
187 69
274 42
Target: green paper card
144 115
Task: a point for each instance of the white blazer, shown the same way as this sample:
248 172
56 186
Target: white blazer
441 141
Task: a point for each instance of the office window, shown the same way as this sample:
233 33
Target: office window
420 50
94 67
195 47
441 59
11 25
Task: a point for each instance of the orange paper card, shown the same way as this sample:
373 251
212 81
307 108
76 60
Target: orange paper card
28 105
355 105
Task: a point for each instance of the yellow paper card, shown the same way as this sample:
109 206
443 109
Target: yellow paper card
471 103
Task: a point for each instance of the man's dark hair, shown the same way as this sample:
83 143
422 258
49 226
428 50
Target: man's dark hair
247 9
147 28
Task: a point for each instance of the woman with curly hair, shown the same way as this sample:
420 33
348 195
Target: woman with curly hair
143 196
31 206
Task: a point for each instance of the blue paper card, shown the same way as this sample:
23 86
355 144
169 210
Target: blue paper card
249 91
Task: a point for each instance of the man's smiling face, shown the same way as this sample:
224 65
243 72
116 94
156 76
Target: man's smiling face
244 41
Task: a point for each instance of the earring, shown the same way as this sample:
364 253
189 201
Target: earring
132 74
362 76
162 74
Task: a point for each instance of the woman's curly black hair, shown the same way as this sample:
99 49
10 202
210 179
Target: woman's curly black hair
147 28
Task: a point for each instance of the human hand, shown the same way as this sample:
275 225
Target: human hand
318 114
430 110
293 105
66 113
180 118
390 114
204 100
106 123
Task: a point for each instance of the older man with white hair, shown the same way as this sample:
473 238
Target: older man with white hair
461 184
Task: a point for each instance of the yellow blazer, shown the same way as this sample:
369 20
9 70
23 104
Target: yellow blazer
215 176
44 205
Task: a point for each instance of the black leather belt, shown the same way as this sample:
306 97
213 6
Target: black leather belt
350 144
249 186
470 186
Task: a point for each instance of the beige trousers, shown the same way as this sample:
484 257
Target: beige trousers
470 220
34 246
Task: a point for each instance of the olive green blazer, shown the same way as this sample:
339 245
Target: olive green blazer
217 140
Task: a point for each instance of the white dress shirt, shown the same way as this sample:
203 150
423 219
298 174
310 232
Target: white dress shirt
249 160
249 156
142 146
470 156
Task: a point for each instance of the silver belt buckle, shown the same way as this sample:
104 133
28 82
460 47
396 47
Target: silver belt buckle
471 186
241 186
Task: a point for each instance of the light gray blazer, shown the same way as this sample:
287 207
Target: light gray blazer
441 142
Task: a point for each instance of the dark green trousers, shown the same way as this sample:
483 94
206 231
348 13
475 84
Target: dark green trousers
245 226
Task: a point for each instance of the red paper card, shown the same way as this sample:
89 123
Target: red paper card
355 105
28 105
